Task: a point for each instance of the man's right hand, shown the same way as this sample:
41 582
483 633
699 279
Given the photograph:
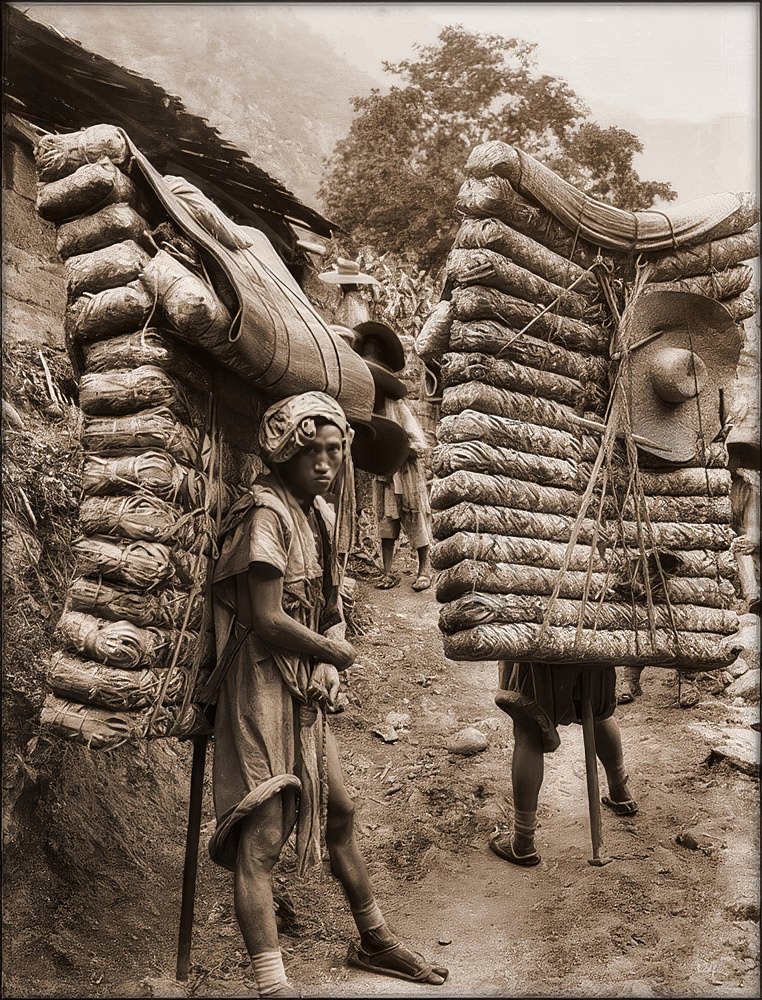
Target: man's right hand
341 653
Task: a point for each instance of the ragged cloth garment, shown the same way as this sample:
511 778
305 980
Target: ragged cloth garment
267 739
550 694
403 496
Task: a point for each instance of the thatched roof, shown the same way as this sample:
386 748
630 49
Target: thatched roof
59 86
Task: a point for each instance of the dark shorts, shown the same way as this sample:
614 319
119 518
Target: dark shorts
550 695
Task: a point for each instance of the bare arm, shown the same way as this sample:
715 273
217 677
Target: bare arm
276 628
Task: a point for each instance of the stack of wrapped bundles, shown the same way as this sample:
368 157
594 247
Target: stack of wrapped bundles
133 642
561 534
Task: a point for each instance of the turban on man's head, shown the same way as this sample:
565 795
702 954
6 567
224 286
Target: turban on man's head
289 425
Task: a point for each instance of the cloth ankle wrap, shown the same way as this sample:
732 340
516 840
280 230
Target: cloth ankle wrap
524 825
525 822
368 916
268 972
618 777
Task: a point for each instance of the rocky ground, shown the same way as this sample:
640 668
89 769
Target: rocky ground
674 913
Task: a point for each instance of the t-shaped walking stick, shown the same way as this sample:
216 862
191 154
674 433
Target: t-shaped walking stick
591 770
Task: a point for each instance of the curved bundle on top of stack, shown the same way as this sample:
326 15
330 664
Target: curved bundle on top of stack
552 544
133 642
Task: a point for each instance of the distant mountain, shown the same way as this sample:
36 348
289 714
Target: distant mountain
262 77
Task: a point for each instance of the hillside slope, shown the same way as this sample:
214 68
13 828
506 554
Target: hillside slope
270 85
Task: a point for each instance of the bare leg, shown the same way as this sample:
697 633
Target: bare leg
527 772
348 866
389 580
387 553
423 579
261 840
528 766
608 746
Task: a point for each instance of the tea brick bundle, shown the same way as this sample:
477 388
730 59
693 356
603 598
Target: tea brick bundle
557 537
134 636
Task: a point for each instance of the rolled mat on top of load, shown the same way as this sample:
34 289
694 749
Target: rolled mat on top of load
485 267
494 196
604 225
687 650
507 609
89 188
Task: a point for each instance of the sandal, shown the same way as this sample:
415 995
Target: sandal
503 847
387 581
422 582
626 808
397 961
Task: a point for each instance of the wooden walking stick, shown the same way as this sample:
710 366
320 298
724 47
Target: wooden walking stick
591 769
191 857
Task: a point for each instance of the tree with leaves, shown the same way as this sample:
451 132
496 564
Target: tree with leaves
392 182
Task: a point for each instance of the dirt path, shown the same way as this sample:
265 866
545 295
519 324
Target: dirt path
660 920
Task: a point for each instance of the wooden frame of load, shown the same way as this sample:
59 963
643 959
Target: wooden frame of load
564 532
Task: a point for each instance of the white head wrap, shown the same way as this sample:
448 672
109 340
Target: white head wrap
289 425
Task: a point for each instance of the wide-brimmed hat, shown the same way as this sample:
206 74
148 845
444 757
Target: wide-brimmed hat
394 352
393 360
347 272
686 349
380 446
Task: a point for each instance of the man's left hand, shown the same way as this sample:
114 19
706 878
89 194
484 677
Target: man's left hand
324 683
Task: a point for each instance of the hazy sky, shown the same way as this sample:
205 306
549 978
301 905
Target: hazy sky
643 67
683 77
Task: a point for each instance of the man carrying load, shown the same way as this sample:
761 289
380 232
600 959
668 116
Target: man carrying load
281 645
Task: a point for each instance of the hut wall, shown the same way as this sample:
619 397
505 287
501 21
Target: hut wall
34 286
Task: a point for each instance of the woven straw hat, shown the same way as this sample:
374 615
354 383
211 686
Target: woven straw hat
393 353
380 446
347 272
390 358
690 351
